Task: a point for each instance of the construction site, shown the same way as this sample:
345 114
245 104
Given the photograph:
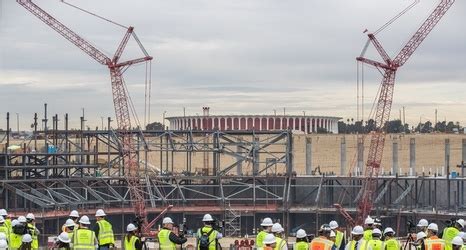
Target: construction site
238 173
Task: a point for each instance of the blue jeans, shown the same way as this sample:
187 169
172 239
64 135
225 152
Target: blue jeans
104 248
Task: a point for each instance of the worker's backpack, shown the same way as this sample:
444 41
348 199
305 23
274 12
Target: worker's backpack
204 239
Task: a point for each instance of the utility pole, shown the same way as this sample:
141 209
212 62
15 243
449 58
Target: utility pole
17 123
284 111
435 119
275 112
102 123
163 119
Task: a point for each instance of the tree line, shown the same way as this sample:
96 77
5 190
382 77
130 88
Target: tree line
396 126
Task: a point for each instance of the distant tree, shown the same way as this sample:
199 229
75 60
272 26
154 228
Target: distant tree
450 127
370 125
342 128
322 131
155 126
394 126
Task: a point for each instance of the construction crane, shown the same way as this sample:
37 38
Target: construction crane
388 68
121 101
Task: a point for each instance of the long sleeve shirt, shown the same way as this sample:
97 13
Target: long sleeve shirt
177 239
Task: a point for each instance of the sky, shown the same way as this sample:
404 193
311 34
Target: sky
237 57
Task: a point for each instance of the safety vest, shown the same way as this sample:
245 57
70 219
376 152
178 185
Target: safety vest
302 245
374 245
83 239
448 234
338 238
35 240
362 245
260 239
212 237
105 233
280 243
164 240
320 244
15 241
434 243
6 230
367 235
8 223
392 244
129 244
267 248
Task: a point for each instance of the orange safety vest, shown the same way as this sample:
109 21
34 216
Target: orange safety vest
320 244
434 243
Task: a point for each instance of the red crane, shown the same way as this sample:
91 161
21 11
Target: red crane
120 101
389 68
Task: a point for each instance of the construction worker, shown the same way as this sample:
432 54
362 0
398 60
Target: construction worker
74 216
280 243
7 218
378 224
83 237
357 242
3 245
390 242
63 241
422 225
167 239
375 243
4 228
103 231
457 243
420 241
322 242
463 236
26 242
17 231
368 226
301 240
340 240
70 227
208 236
333 237
269 242
132 242
266 225
31 224
433 242
451 232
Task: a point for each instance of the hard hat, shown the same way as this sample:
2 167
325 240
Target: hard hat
357 230
269 239
84 220
69 223
26 238
3 212
333 224
100 213
301 233
131 227
388 230
433 227
422 223
30 216
457 241
368 220
167 220
22 219
3 244
421 235
64 237
2 220
377 221
332 234
377 231
277 228
207 217
325 227
461 222
267 222
2 236
14 223
74 214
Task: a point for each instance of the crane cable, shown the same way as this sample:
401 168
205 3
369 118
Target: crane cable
397 16
93 14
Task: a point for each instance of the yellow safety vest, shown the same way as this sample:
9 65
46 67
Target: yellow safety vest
105 233
260 238
280 243
320 244
35 240
83 239
302 245
392 244
448 235
15 241
362 245
129 245
434 243
338 238
212 237
8 223
367 235
6 230
374 244
164 240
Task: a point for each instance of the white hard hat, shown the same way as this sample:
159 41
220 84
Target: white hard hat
14 222
207 217
377 231
301 233
131 227
277 228
357 230
22 219
267 222
100 213
3 212
30 216
457 241
167 220
84 220
421 235
368 220
69 223
332 234
433 227
2 236
2 220
461 222
26 238
74 214
422 223
269 239
64 237
3 244
388 230
333 224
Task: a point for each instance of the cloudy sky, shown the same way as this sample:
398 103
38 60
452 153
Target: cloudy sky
242 56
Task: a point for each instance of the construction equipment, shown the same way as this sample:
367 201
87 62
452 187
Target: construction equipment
121 101
388 68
